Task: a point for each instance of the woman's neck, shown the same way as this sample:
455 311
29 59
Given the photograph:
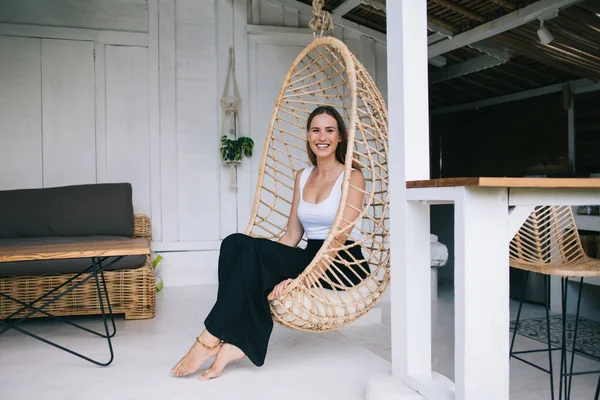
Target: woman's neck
325 166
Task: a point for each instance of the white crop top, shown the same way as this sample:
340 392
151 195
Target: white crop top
317 219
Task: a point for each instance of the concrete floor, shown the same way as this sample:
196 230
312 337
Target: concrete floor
334 365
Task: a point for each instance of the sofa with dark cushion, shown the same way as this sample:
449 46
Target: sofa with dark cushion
69 214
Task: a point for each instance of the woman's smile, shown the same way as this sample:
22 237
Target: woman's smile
323 135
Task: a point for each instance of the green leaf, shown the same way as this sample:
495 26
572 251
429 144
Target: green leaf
156 261
235 150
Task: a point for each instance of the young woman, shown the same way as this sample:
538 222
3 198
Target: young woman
252 270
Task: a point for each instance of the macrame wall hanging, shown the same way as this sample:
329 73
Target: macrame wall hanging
232 148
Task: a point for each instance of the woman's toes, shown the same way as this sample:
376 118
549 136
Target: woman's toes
209 374
192 361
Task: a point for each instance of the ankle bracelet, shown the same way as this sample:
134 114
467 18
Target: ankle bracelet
208 347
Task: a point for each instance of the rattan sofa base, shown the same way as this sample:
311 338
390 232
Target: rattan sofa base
132 291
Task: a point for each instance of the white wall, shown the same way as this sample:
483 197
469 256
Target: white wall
208 209
370 52
149 77
197 120
77 87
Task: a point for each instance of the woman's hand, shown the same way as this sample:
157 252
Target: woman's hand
279 289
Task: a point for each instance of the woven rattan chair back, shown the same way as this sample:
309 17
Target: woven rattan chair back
549 243
327 73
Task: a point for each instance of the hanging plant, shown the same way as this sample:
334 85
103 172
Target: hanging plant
232 151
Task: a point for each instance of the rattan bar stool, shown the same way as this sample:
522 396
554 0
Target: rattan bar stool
548 243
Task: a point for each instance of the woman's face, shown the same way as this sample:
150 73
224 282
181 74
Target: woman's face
323 135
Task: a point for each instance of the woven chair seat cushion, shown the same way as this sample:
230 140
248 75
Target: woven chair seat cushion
64 266
308 310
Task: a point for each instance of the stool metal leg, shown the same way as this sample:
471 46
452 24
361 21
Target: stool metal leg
512 342
575 336
514 354
548 335
563 349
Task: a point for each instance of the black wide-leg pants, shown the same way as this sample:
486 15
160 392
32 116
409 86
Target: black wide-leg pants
249 269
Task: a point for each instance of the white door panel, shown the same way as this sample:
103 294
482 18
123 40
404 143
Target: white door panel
128 121
20 113
270 58
68 112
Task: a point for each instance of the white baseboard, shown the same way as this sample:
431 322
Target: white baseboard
187 268
190 268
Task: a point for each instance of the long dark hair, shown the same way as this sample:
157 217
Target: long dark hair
340 151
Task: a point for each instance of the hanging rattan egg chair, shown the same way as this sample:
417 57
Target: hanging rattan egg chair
327 73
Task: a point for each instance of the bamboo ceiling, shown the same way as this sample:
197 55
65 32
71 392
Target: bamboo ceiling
573 54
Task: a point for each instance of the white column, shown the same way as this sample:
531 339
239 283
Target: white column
409 160
409 220
481 294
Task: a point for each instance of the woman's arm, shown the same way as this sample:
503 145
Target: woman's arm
352 209
294 231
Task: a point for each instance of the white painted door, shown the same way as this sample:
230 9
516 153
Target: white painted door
270 57
69 116
68 112
126 152
20 113
47 122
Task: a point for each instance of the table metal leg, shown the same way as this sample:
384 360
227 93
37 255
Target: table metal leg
97 272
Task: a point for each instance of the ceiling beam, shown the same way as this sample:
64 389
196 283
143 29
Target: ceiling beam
441 23
499 25
465 68
435 37
461 10
337 19
346 7
505 4
378 4
433 27
438 61
491 49
579 86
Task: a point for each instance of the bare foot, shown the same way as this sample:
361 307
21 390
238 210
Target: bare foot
196 356
226 354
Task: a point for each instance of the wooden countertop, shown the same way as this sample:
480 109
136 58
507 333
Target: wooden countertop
507 182
85 249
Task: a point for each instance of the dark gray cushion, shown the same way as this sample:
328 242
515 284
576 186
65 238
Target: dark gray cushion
82 210
56 267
